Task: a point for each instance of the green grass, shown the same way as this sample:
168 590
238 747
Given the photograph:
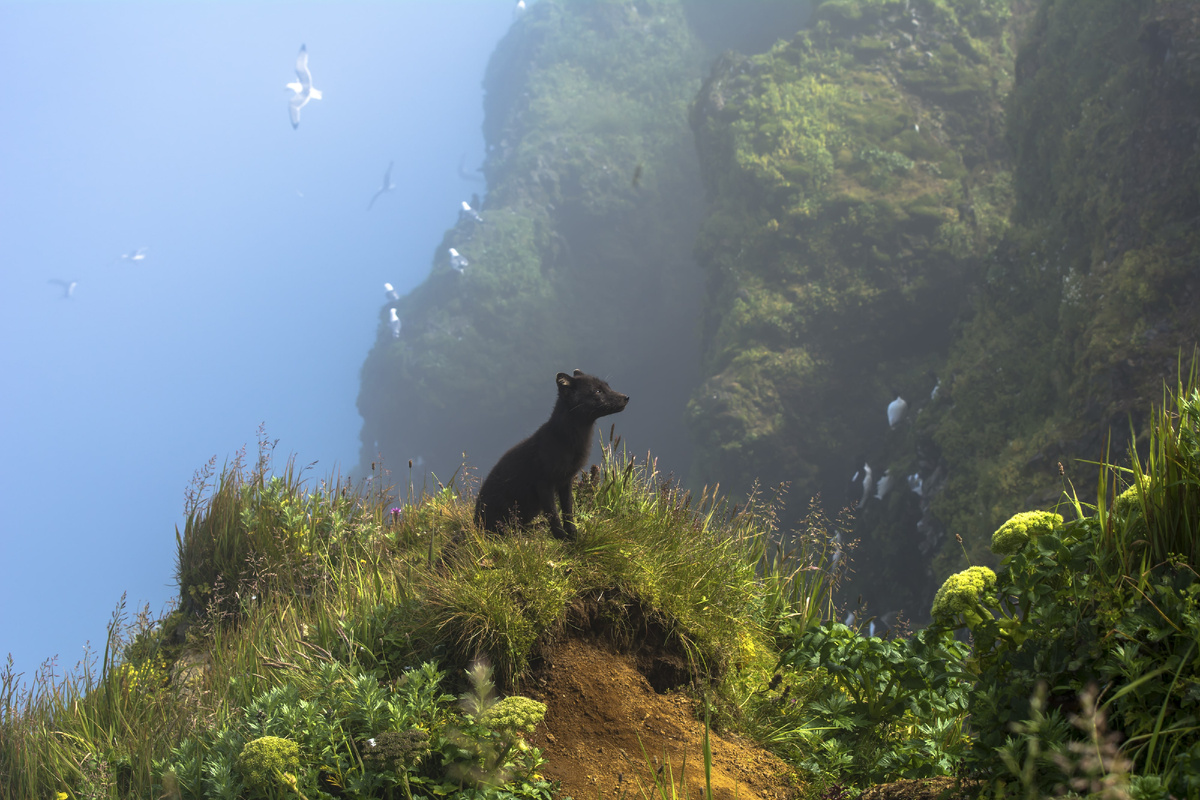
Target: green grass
306 608
339 619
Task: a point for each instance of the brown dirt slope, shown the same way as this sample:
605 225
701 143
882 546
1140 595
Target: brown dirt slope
598 707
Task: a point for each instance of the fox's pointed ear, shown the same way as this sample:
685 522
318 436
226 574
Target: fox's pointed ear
579 373
564 380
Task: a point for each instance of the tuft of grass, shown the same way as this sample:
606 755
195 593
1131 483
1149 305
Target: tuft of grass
304 606
1164 522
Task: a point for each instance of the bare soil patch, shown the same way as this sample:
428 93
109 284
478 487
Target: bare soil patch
598 706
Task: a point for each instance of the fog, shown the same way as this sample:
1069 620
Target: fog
165 127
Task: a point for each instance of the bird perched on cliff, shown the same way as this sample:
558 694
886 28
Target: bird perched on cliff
836 557
469 213
67 286
916 484
394 324
457 263
303 88
896 411
868 484
392 294
387 185
884 486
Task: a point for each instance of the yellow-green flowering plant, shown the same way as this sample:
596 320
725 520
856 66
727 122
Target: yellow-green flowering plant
966 598
265 760
1016 533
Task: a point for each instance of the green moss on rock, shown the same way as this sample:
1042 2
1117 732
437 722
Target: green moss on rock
856 180
1086 304
576 264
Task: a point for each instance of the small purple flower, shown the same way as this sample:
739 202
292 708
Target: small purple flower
395 515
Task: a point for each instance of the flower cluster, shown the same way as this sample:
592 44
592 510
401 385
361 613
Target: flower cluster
513 714
147 677
396 750
264 760
1129 499
1013 535
963 594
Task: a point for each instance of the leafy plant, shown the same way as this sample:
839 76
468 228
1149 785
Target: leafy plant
895 707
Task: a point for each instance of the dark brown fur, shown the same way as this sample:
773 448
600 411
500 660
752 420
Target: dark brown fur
527 479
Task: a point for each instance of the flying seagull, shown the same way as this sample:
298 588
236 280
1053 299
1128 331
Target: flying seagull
68 286
134 255
387 185
303 88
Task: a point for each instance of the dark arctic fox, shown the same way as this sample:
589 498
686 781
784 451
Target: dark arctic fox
527 478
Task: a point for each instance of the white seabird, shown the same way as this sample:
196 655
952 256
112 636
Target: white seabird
394 324
520 9
884 485
916 484
457 263
836 558
896 411
868 484
392 294
387 185
68 286
467 211
134 255
303 88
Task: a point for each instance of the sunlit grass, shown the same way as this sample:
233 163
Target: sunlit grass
283 580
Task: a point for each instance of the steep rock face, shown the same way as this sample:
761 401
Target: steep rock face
582 259
1088 303
856 177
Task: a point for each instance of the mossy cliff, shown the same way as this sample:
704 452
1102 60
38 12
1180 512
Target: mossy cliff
987 207
1087 304
857 179
582 259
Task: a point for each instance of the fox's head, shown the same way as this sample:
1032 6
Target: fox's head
587 396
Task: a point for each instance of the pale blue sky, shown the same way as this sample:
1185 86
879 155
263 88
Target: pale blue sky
165 126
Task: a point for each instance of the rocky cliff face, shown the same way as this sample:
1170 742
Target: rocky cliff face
857 178
1090 299
990 208
583 255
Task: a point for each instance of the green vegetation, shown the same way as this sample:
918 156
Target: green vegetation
866 233
316 627
576 262
332 673
1085 304
857 180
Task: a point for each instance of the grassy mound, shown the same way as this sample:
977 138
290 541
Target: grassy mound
330 618
323 634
